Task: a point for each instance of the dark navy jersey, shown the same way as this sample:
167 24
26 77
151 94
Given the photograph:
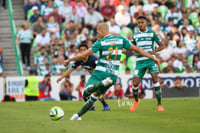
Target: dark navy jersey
89 64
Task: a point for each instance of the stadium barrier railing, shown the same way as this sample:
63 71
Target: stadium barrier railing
13 30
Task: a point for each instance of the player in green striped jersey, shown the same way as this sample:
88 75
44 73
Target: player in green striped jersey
105 73
145 39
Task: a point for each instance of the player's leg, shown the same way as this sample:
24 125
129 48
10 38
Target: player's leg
106 107
91 88
138 75
153 69
158 92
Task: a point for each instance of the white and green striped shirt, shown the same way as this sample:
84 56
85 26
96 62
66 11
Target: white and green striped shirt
110 48
145 40
25 36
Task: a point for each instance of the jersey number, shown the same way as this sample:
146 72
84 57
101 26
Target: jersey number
110 49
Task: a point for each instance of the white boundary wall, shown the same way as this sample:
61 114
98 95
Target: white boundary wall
15 85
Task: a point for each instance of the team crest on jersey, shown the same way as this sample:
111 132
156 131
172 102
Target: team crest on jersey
113 44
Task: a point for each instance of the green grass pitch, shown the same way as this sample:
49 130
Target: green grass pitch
181 115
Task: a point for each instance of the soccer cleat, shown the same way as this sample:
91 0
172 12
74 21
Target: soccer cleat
106 108
160 108
107 81
75 117
134 106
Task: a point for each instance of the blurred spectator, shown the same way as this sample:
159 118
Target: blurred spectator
8 98
65 10
184 14
107 10
155 16
162 84
35 15
55 46
31 90
169 67
74 16
172 32
1 62
193 6
191 43
3 4
24 38
115 91
57 17
196 62
118 2
134 6
180 63
28 4
80 86
172 15
47 69
81 10
66 90
102 2
180 49
148 8
92 19
178 83
92 4
129 92
183 33
53 27
43 40
82 36
139 12
197 27
166 54
122 17
186 25
113 28
47 9
60 66
38 26
45 89
39 59
68 31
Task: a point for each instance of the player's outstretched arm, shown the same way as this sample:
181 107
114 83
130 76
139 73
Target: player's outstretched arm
143 53
81 56
65 74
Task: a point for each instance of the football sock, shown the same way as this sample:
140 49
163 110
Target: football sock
92 88
158 92
135 93
85 99
87 105
103 101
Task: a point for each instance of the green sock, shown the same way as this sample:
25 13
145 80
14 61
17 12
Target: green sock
135 93
92 88
158 94
87 106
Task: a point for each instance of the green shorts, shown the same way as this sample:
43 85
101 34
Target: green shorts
142 66
98 76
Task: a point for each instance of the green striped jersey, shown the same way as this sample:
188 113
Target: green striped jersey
25 36
145 40
110 50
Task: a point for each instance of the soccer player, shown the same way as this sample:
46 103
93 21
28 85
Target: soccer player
145 39
89 63
105 73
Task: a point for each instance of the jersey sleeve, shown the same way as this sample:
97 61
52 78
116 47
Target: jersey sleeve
96 46
127 44
156 38
76 64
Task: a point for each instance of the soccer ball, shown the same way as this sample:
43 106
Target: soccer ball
56 113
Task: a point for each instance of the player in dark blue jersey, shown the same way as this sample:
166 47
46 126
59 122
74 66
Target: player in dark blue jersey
89 64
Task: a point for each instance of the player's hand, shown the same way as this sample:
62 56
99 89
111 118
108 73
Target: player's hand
59 79
156 60
66 62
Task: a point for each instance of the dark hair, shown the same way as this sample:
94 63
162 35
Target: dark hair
142 17
47 75
83 45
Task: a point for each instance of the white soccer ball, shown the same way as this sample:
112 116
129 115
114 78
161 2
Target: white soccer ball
56 113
